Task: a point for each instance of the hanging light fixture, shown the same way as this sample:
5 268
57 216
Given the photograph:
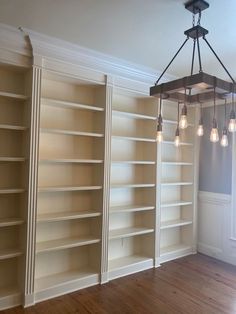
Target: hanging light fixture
177 138
224 140
200 130
201 83
159 135
214 137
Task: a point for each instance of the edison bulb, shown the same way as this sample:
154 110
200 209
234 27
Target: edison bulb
214 137
183 123
159 136
177 141
200 130
224 140
232 125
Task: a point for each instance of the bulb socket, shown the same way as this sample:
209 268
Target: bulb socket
184 110
232 115
214 123
177 132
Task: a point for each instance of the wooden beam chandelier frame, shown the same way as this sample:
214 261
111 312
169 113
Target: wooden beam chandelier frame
197 88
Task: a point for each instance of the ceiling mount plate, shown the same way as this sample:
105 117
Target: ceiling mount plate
196 32
196 6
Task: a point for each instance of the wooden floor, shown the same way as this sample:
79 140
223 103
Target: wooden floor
194 284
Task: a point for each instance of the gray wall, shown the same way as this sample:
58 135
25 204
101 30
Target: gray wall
215 170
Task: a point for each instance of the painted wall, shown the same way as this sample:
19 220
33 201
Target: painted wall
215 161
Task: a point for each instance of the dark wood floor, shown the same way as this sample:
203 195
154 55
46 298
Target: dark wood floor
194 284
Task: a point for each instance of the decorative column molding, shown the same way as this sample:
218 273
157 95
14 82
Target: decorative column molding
106 186
32 193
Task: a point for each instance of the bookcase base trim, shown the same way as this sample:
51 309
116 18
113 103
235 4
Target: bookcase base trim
104 278
130 269
65 288
174 255
29 300
10 301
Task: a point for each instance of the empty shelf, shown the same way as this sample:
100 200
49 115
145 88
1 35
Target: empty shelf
175 223
181 143
61 244
13 95
67 160
177 248
131 138
170 121
124 186
10 253
128 232
12 159
11 191
54 280
130 208
68 104
176 203
127 261
176 183
67 216
69 132
134 162
12 127
176 163
69 188
132 115
8 222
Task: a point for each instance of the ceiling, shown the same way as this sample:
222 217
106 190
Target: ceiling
144 32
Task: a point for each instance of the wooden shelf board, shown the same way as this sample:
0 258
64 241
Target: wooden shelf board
10 253
12 159
68 188
13 95
138 185
8 222
61 244
129 208
128 232
132 115
176 183
127 261
11 191
12 127
69 132
130 138
67 160
170 121
134 162
176 163
67 216
174 248
68 104
175 223
181 143
54 280
175 203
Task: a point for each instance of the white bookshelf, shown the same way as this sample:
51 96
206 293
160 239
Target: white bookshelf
132 183
177 187
70 184
14 149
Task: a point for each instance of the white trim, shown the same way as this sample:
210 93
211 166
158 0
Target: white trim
214 198
54 48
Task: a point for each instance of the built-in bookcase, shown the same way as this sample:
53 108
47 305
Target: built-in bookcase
70 184
132 184
177 187
15 106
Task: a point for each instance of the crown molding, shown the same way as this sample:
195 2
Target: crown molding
54 48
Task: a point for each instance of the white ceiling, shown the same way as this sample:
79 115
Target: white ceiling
145 32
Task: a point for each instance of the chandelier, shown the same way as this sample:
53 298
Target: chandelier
196 88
